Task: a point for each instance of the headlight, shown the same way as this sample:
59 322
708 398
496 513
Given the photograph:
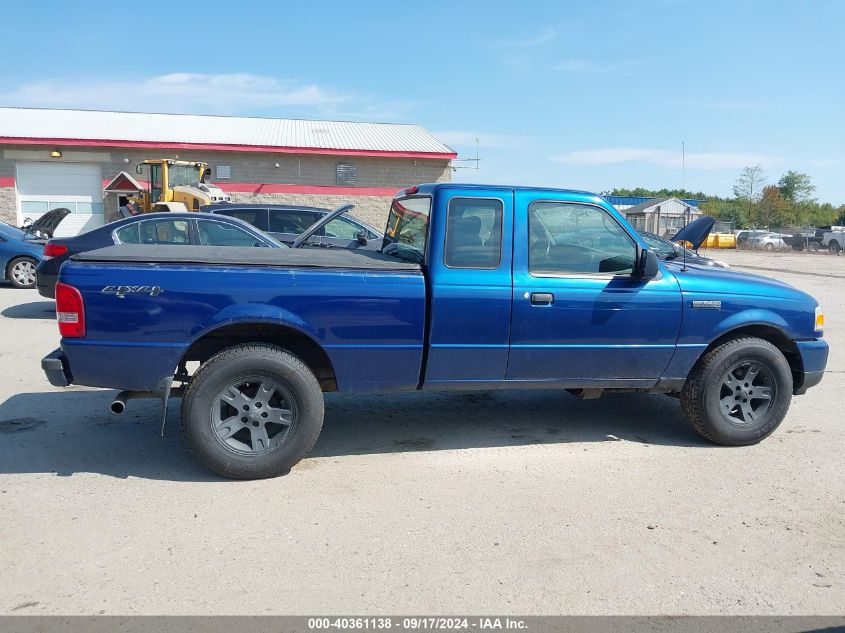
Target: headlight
819 320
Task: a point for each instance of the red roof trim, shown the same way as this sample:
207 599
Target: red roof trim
272 149
256 187
253 187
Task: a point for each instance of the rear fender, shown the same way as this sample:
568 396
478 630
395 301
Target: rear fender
254 313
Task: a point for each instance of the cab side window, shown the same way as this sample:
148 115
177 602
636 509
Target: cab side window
473 233
576 239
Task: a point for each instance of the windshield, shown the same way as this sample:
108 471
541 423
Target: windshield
180 175
407 228
658 244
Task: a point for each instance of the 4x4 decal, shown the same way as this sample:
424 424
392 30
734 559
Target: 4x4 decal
122 291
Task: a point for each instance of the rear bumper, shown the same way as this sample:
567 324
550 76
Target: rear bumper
56 368
46 276
47 290
813 361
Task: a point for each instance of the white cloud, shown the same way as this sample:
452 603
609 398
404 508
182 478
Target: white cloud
188 93
667 158
544 36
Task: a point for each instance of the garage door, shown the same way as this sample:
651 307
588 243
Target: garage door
45 186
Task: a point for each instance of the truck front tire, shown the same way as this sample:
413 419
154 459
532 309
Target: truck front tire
739 392
252 412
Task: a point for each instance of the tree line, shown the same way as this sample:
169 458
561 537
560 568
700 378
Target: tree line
755 203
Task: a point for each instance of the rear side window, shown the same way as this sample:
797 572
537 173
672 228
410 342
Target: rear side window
220 234
255 217
473 233
291 220
164 232
128 234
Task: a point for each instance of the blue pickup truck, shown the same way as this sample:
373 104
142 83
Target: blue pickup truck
474 288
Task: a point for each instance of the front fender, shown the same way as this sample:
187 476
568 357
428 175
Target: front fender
701 327
751 316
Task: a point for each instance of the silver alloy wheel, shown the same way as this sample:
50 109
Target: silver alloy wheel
747 392
253 415
23 273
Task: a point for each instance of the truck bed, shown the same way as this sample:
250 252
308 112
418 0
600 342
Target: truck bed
345 259
365 310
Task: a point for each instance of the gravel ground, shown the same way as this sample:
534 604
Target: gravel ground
516 502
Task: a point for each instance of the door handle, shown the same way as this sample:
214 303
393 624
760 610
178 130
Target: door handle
542 298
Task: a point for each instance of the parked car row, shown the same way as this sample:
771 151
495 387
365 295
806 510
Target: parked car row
217 225
825 238
21 249
257 225
285 223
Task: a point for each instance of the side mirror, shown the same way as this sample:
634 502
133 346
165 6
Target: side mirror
362 238
647 267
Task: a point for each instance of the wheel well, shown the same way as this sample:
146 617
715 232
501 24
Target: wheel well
774 336
288 338
15 258
12 260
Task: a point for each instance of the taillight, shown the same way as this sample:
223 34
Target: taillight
70 311
54 250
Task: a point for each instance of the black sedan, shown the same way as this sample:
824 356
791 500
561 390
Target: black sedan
286 223
151 228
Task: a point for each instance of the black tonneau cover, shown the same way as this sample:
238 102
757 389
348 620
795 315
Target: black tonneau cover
246 256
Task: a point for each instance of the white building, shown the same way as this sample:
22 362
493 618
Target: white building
65 158
662 216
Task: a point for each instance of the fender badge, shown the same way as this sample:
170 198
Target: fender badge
711 305
122 291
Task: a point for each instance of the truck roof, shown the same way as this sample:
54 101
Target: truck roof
430 187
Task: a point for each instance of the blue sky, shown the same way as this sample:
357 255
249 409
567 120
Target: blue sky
590 95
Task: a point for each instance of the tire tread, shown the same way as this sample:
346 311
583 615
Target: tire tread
228 355
691 392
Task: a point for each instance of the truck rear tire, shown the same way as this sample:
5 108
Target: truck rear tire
834 247
739 392
252 412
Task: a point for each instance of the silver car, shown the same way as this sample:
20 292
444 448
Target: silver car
769 242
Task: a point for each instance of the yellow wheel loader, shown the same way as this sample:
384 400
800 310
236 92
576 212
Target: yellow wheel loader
177 185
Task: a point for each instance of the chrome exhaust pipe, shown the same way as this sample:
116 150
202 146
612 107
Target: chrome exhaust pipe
118 405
